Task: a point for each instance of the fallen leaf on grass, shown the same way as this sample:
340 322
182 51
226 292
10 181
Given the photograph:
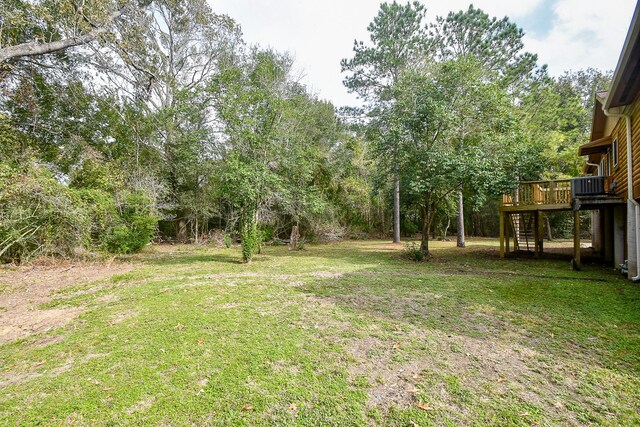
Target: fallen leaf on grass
424 406
200 340
246 407
396 346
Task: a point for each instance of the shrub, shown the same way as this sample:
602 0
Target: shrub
266 233
251 239
101 210
137 225
38 215
96 175
413 252
228 240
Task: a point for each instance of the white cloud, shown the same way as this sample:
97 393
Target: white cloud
584 33
319 33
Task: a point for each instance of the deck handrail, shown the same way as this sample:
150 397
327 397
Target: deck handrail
545 181
550 192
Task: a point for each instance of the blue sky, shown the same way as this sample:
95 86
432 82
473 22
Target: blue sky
566 34
538 22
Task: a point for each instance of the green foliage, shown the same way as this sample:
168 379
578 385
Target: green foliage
397 42
38 215
410 228
251 240
101 209
266 233
496 43
412 251
214 133
137 225
96 175
228 240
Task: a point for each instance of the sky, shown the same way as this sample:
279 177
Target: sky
566 34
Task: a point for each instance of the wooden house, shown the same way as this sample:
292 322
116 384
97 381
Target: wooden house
611 187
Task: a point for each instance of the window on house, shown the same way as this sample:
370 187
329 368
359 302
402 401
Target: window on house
614 152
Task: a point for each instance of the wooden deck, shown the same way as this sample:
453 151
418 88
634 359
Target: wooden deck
531 196
521 215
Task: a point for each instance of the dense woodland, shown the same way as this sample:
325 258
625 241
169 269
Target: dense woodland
124 122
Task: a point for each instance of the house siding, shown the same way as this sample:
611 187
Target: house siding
619 172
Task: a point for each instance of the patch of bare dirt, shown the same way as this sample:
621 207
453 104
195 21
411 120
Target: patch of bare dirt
47 341
26 288
141 406
122 316
327 274
416 362
31 372
19 377
390 384
484 367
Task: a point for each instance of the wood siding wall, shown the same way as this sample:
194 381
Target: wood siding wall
619 173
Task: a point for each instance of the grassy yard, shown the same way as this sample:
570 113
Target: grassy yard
343 334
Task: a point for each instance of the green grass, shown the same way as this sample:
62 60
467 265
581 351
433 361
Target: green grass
344 334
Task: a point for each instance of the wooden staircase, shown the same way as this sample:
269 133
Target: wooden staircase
522 226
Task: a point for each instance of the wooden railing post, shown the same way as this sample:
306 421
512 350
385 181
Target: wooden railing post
576 241
502 225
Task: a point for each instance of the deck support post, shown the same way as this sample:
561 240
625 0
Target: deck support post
541 232
576 240
507 231
536 233
502 229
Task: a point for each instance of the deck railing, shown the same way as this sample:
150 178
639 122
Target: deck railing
557 192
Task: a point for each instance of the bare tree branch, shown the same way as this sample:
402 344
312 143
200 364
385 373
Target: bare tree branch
35 48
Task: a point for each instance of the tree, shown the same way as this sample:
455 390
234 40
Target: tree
38 28
162 64
495 43
558 115
397 43
310 129
250 101
495 47
428 118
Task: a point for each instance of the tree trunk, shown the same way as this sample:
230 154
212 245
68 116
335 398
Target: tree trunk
181 231
426 229
460 239
548 223
396 209
446 230
295 237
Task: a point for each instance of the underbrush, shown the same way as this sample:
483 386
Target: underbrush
41 217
